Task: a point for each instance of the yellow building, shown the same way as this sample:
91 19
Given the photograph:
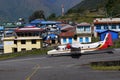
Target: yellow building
12 44
25 39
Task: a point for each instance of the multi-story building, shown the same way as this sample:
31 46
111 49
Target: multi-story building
67 34
80 33
84 32
103 24
27 38
66 37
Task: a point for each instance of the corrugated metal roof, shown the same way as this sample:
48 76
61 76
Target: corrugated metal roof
107 21
33 29
67 34
66 26
83 24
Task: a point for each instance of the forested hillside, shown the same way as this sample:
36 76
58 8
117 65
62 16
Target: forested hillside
88 5
88 10
111 8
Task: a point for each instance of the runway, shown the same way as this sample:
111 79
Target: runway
57 68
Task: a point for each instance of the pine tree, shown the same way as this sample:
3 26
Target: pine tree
37 15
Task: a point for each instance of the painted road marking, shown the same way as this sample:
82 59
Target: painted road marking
33 73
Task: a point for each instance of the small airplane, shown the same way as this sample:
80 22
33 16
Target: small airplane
76 49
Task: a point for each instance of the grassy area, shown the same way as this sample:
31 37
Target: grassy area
84 17
106 65
25 53
106 68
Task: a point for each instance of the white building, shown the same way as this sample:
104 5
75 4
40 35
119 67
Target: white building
102 24
84 32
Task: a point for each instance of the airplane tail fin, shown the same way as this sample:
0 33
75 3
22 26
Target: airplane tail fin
107 41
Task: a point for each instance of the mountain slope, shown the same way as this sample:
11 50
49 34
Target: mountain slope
90 4
109 7
13 9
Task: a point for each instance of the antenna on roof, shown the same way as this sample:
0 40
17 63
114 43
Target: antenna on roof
62 6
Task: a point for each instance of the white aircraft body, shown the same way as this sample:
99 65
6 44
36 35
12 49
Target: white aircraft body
78 48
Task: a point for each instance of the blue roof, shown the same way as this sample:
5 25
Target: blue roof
49 22
59 26
100 31
36 21
51 36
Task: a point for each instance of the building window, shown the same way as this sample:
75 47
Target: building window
70 40
81 28
23 42
14 49
64 40
15 41
23 49
33 41
20 34
86 39
98 27
29 34
87 29
113 27
33 48
118 26
81 39
105 27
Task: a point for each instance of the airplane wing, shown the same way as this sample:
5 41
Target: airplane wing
76 54
108 50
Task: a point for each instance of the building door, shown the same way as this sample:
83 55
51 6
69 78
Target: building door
53 41
14 49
